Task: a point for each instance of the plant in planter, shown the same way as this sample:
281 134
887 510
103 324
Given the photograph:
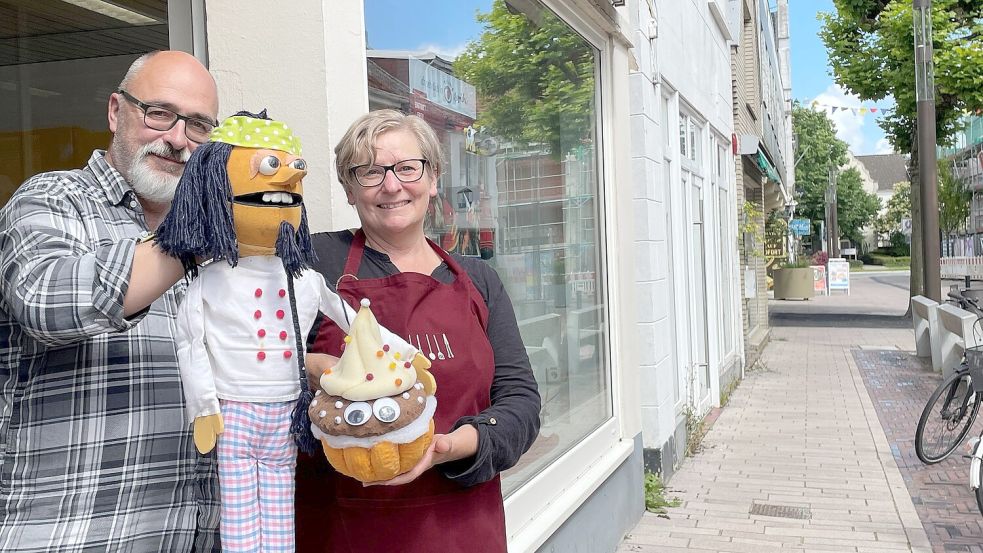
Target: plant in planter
820 258
794 281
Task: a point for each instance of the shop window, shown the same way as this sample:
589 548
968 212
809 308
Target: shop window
59 62
515 108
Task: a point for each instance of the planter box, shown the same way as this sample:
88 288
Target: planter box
793 283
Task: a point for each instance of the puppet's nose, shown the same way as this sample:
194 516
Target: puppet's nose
288 176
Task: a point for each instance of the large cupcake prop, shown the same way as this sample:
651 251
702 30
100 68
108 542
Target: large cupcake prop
374 411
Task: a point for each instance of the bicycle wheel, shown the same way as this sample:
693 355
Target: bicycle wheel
946 419
979 491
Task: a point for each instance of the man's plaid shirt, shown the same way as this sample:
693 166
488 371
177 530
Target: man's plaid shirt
95 449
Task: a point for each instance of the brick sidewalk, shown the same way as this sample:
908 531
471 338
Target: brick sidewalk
800 434
900 384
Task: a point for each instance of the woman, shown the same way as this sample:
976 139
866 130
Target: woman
487 400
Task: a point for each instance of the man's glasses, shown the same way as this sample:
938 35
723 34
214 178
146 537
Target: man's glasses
163 119
408 170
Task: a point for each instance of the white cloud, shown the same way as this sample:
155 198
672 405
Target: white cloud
849 127
448 52
883 146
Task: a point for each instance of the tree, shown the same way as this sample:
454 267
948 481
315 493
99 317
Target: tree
898 207
534 77
856 208
954 200
871 51
818 151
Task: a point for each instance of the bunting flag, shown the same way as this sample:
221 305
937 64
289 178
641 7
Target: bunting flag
860 111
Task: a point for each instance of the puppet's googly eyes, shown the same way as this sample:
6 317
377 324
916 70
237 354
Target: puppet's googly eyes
386 409
269 165
299 164
358 413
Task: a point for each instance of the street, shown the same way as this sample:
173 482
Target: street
815 449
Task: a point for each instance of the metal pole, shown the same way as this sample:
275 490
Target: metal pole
834 224
928 170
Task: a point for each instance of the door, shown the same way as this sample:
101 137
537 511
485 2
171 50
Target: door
700 368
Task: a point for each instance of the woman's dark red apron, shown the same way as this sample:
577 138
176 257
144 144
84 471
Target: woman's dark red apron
335 513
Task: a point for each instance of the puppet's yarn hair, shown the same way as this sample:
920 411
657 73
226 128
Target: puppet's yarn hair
199 223
294 257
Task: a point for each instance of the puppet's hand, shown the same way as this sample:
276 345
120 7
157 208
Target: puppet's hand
207 429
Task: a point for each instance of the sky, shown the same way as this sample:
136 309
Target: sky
445 27
441 26
812 80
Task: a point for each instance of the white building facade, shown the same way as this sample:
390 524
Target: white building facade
551 209
685 215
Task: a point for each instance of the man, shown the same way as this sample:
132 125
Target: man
95 450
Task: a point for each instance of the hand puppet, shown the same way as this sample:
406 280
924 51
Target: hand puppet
245 316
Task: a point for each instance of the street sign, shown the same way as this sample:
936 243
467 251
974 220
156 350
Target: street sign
800 227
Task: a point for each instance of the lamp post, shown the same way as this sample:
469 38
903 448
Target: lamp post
790 237
832 224
925 97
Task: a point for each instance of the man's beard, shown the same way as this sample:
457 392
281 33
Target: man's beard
151 184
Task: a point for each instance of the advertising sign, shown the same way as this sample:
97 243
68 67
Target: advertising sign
839 274
800 227
442 89
818 279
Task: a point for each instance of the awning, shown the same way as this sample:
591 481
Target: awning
767 169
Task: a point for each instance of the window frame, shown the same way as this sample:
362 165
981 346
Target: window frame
539 506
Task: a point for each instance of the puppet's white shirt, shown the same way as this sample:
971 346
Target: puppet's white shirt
236 337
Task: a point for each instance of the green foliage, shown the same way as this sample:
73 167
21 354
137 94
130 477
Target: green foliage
871 51
899 244
855 264
655 495
818 150
696 429
954 199
898 208
534 77
889 261
798 264
855 207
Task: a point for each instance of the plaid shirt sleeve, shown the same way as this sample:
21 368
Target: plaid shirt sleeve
96 453
54 284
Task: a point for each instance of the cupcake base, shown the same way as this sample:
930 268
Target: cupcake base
382 461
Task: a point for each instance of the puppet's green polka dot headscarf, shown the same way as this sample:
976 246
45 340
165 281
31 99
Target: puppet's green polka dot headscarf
240 130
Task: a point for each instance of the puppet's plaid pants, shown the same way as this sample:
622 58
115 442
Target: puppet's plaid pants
256 464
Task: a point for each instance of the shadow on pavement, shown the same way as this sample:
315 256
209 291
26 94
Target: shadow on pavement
855 320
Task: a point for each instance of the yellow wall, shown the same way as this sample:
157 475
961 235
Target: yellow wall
23 154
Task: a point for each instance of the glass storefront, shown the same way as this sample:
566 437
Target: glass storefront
513 94
59 62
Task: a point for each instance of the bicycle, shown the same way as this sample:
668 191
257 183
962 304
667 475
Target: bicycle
959 405
976 444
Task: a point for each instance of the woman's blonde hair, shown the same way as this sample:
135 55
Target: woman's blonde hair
357 147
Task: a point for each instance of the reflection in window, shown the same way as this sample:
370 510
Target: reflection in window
517 117
59 63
